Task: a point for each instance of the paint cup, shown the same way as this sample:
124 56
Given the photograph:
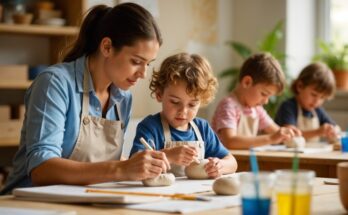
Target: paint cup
344 141
342 173
294 191
256 192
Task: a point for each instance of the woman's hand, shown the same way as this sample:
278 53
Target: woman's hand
213 168
145 164
181 155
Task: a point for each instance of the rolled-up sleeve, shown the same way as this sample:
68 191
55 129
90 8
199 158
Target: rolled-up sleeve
46 116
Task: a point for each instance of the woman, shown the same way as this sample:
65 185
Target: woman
77 111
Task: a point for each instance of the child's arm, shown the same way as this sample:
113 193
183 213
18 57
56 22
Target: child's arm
217 167
181 155
326 130
275 134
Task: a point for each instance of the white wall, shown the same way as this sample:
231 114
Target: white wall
300 34
254 19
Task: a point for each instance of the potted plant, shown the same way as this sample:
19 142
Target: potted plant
268 44
337 59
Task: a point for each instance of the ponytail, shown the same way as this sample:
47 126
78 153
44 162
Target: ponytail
87 42
124 24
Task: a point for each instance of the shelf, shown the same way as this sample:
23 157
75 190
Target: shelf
17 85
39 30
9 142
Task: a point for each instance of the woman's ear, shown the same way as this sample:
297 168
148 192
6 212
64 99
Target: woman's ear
247 81
105 46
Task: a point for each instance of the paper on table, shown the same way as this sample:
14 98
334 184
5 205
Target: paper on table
29 211
309 149
181 185
76 194
179 206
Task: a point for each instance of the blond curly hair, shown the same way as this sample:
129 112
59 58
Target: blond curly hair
193 69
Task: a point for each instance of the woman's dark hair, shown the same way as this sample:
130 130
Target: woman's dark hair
124 24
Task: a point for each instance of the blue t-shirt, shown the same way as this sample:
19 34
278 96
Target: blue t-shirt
52 120
287 114
151 129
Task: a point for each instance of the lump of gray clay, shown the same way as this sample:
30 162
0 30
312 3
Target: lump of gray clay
197 171
164 179
296 142
226 186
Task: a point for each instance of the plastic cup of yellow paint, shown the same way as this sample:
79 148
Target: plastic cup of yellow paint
293 191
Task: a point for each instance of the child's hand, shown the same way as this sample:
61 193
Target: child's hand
213 168
181 155
145 164
295 130
283 134
329 131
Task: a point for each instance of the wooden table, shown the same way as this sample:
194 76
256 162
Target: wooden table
325 201
324 164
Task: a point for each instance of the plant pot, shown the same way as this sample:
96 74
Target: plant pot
341 77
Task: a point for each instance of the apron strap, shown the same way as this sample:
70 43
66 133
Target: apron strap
118 114
196 130
166 130
85 99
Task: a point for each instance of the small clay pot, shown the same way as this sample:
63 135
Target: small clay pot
342 173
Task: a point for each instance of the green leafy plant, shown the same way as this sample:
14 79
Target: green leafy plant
335 57
269 44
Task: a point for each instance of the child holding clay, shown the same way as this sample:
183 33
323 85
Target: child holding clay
183 83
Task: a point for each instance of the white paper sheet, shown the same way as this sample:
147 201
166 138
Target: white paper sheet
181 185
29 211
180 206
309 149
69 193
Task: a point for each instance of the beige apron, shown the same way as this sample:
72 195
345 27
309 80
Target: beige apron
99 139
168 143
247 126
305 123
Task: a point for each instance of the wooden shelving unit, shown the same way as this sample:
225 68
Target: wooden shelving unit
11 84
12 91
39 30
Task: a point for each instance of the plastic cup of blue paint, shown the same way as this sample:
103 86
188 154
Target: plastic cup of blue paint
256 199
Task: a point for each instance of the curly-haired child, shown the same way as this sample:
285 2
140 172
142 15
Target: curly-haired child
182 84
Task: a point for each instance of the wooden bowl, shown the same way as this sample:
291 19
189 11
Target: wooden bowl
44 5
22 18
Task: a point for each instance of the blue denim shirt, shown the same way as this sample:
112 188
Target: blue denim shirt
52 121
